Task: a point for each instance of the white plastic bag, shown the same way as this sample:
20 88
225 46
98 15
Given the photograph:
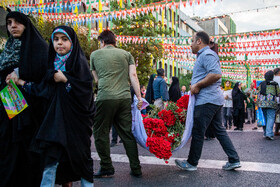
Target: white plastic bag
139 131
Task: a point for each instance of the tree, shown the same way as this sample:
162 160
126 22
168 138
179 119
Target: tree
185 80
141 25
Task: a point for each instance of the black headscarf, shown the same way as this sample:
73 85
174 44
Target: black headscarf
34 50
150 91
235 89
29 54
174 90
68 122
268 76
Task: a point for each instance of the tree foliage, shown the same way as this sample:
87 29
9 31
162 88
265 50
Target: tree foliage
147 52
185 80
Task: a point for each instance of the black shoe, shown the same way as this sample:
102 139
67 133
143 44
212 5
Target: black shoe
236 129
248 122
103 173
138 175
241 129
120 141
113 144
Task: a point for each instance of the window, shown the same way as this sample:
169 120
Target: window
165 70
170 71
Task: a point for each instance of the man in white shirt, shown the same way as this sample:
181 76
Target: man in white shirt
277 79
227 110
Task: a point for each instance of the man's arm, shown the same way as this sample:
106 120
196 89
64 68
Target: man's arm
95 76
207 81
162 88
135 84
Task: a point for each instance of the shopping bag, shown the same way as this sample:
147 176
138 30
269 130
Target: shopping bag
260 118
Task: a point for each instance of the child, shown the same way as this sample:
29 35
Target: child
64 136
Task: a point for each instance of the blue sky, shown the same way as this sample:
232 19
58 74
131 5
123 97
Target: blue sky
247 21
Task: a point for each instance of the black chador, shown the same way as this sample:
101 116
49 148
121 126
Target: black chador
64 136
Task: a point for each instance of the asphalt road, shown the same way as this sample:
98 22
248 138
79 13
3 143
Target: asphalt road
260 159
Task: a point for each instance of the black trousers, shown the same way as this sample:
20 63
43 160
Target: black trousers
114 135
205 115
238 117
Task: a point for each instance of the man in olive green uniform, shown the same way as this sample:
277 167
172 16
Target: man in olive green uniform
112 69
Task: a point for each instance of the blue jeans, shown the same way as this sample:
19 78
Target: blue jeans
49 174
227 114
269 117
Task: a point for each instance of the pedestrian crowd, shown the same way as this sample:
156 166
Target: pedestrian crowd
49 142
242 103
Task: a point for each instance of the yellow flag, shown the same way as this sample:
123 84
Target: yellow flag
76 9
100 5
121 4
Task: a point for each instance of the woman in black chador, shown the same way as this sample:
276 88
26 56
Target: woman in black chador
238 100
174 90
150 92
25 57
64 136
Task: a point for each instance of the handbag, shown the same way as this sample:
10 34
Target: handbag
260 118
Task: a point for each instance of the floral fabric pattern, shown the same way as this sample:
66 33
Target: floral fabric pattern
269 100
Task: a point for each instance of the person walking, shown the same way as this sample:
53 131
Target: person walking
253 93
239 105
63 138
249 108
150 92
227 109
268 92
112 69
205 84
174 90
24 56
160 90
277 79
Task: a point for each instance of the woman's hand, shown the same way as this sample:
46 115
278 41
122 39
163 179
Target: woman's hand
12 76
59 77
20 82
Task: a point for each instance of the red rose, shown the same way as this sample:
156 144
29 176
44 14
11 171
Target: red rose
159 147
144 116
154 127
183 102
168 117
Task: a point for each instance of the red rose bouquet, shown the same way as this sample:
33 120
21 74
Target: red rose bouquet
165 128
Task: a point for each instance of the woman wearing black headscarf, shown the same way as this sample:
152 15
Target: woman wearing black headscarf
238 101
174 90
268 91
150 92
64 136
25 57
